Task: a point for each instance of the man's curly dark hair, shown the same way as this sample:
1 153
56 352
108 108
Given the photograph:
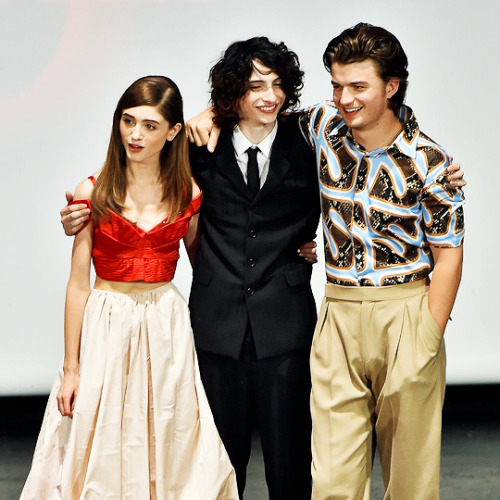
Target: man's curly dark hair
229 77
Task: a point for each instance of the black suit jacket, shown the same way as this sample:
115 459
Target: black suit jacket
247 268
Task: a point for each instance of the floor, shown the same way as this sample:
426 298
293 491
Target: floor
470 453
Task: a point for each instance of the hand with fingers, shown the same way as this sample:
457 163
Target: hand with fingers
455 175
73 217
66 397
202 131
308 252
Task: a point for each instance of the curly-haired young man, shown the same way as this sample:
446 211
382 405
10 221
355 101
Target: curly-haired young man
252 307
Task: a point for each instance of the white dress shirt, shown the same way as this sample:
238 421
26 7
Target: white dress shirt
241 144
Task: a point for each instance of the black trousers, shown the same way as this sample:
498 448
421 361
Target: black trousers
274 392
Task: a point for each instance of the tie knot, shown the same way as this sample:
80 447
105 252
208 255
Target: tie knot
252 153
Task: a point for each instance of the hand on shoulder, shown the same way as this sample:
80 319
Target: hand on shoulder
74 216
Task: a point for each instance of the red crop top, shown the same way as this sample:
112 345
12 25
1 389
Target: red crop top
124 252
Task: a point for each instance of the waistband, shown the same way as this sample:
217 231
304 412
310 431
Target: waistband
136 293
376 293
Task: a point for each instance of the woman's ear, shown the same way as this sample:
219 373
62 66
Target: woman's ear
174 131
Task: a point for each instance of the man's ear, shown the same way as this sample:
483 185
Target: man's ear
391 87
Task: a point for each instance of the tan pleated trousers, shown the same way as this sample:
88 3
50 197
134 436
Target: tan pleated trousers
378 368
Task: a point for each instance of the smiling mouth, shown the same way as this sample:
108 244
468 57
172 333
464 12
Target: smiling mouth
350 111
268 109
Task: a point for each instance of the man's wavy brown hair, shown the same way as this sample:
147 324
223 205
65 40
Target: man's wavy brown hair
365 41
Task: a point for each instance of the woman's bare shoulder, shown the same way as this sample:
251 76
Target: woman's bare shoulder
196 189
84 190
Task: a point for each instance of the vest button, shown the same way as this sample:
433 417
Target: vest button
251 262
250 291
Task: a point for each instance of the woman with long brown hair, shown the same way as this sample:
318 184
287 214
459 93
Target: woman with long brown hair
127 416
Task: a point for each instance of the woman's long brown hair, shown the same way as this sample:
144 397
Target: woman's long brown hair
175 173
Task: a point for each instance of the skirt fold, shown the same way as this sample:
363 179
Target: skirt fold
142 427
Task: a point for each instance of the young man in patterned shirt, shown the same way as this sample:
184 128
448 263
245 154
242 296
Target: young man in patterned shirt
389 220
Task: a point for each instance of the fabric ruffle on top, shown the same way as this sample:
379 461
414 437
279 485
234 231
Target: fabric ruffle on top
124 252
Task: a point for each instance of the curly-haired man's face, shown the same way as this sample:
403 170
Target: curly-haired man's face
260 106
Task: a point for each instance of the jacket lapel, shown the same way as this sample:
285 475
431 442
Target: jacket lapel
227 165
279 164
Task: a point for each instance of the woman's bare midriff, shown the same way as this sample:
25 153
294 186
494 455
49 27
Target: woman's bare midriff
126 287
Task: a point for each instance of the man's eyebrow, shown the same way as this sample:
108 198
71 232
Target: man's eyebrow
360 82
256 80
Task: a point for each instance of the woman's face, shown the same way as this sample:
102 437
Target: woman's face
144 132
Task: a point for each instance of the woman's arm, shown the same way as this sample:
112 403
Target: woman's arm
192 237
445 280
77 293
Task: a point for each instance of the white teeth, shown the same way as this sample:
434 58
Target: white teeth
351 110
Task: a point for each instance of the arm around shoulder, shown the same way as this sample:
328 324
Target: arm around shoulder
202 131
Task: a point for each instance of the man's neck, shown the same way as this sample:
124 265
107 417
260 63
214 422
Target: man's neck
381 135
256 133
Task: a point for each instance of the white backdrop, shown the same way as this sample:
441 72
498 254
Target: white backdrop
64 64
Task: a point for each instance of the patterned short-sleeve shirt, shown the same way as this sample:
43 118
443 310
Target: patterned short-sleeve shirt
381 209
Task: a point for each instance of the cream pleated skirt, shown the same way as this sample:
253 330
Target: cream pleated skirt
142 428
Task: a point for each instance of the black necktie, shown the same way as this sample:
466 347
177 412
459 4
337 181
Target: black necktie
253 179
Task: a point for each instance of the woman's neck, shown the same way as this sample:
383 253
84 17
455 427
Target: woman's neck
140 173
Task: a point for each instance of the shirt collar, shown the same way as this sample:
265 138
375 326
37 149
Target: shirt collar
241 143
406 142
